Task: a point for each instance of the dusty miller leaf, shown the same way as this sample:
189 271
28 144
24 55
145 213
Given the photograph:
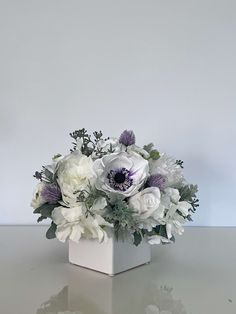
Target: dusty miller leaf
148 147
137 238
51 232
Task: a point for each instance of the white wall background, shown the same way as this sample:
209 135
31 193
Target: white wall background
165 69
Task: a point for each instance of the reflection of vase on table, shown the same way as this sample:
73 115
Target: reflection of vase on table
134 292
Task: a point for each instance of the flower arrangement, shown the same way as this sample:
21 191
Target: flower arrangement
112 185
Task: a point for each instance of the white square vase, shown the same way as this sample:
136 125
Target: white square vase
109 257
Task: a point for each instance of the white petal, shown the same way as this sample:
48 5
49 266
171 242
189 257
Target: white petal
63 232
184 207
168 230
99 204
72 214
76 232
140 151
154 239
159 212
173 194
57 216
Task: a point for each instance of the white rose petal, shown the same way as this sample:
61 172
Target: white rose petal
146 202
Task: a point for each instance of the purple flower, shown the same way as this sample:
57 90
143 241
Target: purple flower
51 193
157 180
127 138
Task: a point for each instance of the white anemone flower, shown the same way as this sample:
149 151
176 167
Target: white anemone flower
121 173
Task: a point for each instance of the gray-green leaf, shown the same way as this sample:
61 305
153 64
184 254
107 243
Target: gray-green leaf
148 147
51 233
46 210
137 238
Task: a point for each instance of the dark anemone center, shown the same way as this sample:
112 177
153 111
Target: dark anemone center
119 177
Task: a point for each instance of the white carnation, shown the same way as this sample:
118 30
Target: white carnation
167 167
72 223
74 172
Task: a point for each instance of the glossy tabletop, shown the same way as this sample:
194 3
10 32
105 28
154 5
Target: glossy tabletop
196 275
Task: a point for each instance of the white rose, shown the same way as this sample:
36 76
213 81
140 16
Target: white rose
146 202
121 173
38 200
74 173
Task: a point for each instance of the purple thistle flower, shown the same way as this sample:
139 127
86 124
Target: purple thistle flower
51 193
157 180
127 138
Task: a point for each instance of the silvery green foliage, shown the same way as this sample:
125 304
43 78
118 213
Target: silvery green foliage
189 193
123 219
88 143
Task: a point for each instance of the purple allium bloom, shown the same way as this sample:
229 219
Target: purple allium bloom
51 193
157 180
127 138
